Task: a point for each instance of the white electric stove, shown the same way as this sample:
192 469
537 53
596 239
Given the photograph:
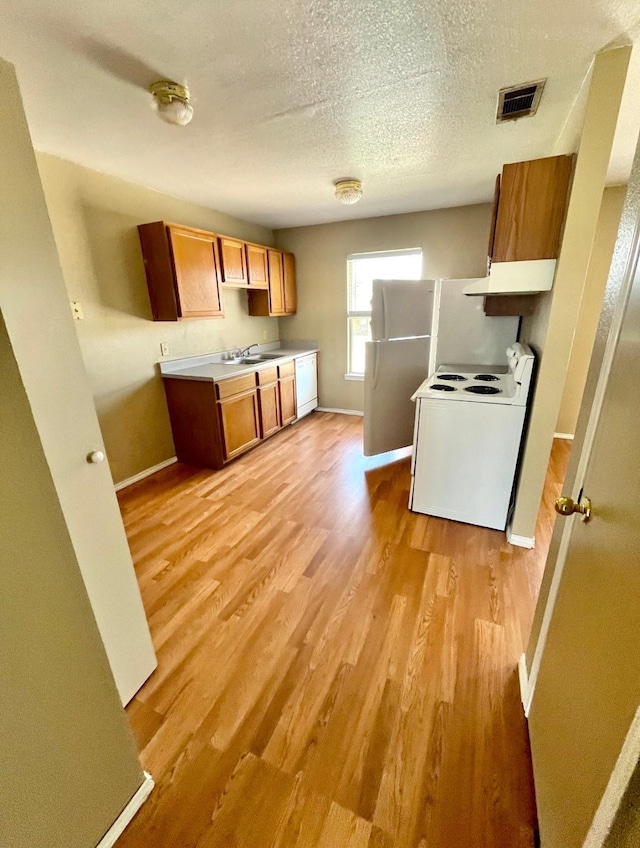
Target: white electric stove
468 430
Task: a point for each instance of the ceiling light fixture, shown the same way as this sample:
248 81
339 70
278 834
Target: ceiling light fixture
171 102
348 191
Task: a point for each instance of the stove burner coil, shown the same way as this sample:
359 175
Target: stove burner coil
483 390
452 377
442 387
486 378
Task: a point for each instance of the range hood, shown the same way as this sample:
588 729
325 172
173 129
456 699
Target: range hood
525 277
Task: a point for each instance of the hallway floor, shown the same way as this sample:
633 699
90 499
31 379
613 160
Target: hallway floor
334 670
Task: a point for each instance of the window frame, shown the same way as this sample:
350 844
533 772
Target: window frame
360 313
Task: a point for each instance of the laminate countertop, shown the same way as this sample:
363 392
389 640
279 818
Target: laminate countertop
211 367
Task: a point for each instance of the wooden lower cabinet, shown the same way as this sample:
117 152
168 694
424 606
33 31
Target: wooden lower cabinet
269 403
212 423
240 420
287 392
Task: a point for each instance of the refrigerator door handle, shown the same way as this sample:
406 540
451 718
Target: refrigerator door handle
376 363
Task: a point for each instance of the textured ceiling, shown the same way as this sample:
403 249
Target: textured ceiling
290 96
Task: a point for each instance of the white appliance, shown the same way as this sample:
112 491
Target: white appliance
306 384
416 325
469 424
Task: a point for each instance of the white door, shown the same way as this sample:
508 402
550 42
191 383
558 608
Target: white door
35 307
586 671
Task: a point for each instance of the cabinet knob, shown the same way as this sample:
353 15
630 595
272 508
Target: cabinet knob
95 456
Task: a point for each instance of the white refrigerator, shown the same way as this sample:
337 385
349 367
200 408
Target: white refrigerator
417 325
396 360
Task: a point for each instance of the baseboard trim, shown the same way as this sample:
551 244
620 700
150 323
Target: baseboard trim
339 411
523 677
146 473
569 436
117 828
520 541
616 787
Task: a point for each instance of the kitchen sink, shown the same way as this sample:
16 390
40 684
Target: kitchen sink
257 359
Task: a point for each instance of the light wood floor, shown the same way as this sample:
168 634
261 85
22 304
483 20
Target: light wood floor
334 670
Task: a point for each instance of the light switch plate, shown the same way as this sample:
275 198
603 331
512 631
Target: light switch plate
77 311
164 348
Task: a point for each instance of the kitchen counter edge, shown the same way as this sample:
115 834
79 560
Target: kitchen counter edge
216 372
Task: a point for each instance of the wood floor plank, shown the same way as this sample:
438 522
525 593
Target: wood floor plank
333 669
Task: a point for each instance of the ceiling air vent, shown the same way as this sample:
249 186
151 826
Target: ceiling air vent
519 101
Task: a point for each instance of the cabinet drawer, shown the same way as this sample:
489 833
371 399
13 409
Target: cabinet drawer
287 369
267 375
235 385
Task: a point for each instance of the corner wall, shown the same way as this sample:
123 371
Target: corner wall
94 218
585 333
454 244
603 104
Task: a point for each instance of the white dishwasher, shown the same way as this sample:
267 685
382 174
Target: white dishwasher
306 383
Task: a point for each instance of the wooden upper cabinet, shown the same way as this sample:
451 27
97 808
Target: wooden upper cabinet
234 262
531 209
182 267
276 282
257 268
290 289
280 299
197 272
185 268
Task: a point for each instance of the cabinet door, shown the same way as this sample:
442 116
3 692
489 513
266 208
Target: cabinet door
240 422
290 292
276 283
257 269
234 263
531 210
288 408
269 410
196 269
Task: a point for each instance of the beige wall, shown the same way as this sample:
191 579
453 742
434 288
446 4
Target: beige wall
607 83
590 307
454 244
94 219
68 760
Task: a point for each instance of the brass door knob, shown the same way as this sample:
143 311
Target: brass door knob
567 506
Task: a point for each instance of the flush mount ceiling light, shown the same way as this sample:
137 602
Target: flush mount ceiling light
348 191
171 102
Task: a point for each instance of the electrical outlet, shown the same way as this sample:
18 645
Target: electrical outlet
77 311
164 348
264 335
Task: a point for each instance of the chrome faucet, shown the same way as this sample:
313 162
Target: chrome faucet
246 350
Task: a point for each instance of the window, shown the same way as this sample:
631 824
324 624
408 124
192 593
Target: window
362 269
